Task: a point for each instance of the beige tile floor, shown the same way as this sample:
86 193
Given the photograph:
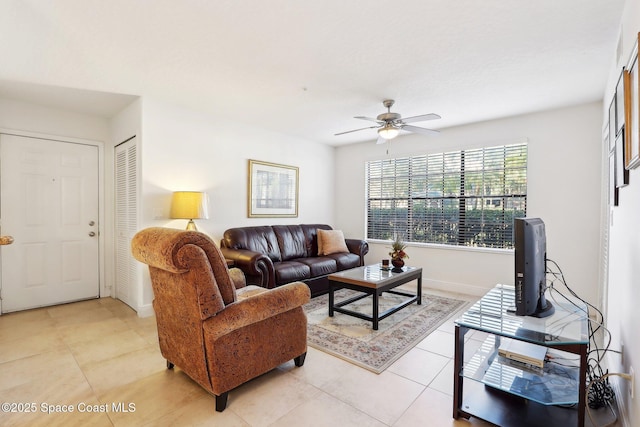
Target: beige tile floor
95 354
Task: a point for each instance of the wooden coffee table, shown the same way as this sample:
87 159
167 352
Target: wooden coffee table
373 280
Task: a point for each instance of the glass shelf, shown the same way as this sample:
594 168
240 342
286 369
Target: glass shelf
513 394
492 314
555 384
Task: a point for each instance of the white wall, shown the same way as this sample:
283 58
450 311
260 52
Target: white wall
623 314
185 150
18 115
563 189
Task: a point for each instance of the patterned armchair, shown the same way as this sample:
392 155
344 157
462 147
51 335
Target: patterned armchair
220 332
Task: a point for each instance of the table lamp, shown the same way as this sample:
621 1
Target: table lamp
190 205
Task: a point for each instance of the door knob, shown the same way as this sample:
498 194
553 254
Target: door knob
6 240
92 223
92 233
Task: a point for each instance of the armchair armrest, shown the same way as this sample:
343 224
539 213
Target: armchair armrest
256 308
253 264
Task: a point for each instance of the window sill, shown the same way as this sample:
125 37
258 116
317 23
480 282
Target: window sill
498 251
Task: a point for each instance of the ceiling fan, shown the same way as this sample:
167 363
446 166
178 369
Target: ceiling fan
389 124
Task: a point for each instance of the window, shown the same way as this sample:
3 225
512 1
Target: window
462 198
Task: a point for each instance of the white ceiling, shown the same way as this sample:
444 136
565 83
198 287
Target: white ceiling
304 67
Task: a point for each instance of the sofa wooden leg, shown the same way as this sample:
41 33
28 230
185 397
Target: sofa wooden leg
169 365
299 361
221 401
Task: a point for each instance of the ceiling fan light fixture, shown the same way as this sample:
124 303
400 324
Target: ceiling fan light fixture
388 131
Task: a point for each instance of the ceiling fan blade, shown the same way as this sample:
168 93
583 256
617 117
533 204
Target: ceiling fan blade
423 131
381 140
371 119
421 118
354 130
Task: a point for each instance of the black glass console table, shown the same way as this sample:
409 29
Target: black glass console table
545 391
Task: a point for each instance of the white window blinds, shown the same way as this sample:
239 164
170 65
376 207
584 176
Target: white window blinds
465 198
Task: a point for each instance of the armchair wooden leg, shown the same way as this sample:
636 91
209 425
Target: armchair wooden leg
221 401
169 365
299 361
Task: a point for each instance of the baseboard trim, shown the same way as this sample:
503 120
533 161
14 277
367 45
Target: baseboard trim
622 409
612 364
458 288
145 310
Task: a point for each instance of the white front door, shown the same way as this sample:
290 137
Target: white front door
49 204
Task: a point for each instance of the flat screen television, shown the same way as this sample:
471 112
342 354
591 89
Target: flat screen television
530 244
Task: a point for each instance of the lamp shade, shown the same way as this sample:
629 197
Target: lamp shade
189 205
388 131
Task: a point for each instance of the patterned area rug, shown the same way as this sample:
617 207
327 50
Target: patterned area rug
354 340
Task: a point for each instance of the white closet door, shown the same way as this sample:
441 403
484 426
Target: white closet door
126 195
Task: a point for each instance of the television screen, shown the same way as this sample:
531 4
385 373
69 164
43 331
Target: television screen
530 243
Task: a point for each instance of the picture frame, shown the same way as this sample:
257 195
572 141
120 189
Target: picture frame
272 190
620 103
613 189
622 173
632 110
612 124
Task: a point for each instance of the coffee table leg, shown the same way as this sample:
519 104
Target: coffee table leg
330 301
375 310
420 290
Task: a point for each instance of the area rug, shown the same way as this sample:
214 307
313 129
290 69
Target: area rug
354 340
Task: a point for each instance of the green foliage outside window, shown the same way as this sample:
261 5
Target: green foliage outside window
462 198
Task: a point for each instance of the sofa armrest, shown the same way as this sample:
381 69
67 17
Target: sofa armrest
358 247
253 264
256 308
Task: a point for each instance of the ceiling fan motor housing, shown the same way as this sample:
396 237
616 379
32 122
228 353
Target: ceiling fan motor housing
388 117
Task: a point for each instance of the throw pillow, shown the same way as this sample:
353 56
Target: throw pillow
331 242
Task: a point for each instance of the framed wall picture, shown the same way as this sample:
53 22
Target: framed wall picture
622 173
613 189
612 124
632 111
273 190
620 103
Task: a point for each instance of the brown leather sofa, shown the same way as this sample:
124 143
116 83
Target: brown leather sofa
220 332
272 256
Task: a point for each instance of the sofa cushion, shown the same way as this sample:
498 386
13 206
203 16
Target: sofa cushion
331 242
311 237
258 239
319 266
345 261
291 241
291 271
